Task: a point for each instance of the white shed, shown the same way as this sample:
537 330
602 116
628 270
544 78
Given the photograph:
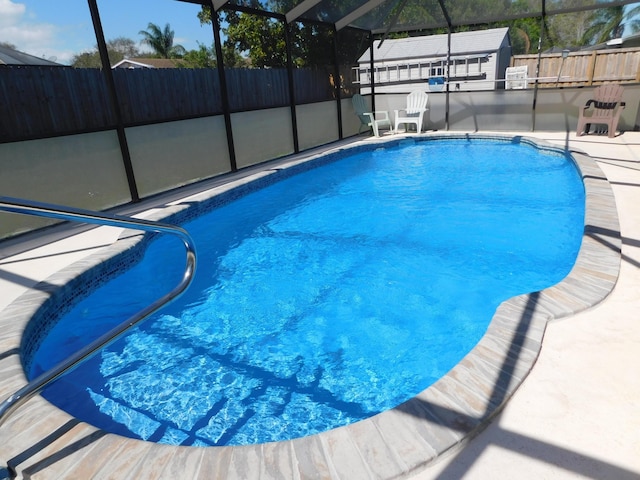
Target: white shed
478 62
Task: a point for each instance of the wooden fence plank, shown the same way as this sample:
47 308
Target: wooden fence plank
584 67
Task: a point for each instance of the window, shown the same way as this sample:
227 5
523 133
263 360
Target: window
437 69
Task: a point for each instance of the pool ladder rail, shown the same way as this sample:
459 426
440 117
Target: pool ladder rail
35 386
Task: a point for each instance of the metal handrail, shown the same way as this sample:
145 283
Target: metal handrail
14 205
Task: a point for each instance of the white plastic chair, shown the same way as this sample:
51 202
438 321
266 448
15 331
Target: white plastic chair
368 119
517 78
413 114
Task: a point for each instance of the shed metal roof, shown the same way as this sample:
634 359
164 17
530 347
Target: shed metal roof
463 43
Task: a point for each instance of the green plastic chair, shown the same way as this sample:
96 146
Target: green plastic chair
373 120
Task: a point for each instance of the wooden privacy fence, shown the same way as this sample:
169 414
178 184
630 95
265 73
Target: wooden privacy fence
148 95
37 102
583 68
44 101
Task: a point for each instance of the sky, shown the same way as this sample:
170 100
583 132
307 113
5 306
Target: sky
59 29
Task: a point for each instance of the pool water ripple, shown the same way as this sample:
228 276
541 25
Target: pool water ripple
320 306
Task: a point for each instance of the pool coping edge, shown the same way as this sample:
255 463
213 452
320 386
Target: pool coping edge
394 444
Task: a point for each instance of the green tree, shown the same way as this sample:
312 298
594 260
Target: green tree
161 41
89 59
203 57
605 24
611 22
311 45
260 40
233 59
117 49
632 16
565 30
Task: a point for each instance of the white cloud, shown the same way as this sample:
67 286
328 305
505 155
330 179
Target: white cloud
20 28
10 13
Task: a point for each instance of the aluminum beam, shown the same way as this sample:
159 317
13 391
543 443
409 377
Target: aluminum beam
357 13
218 4
295 13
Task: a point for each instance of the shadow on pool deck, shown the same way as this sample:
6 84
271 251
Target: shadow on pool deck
528 449
568 459
576 414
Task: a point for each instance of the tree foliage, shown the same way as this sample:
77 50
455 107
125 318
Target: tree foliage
261 40
161 41
203 57
257 38
117 49
608 23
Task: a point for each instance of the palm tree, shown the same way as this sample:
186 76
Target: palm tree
608 23
633 21
161 41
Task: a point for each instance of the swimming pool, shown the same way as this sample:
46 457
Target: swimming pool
444 243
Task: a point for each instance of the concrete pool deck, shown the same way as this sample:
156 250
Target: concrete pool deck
575 416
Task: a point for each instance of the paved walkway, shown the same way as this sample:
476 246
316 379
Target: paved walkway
577 415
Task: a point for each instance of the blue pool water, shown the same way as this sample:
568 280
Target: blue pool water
324 298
